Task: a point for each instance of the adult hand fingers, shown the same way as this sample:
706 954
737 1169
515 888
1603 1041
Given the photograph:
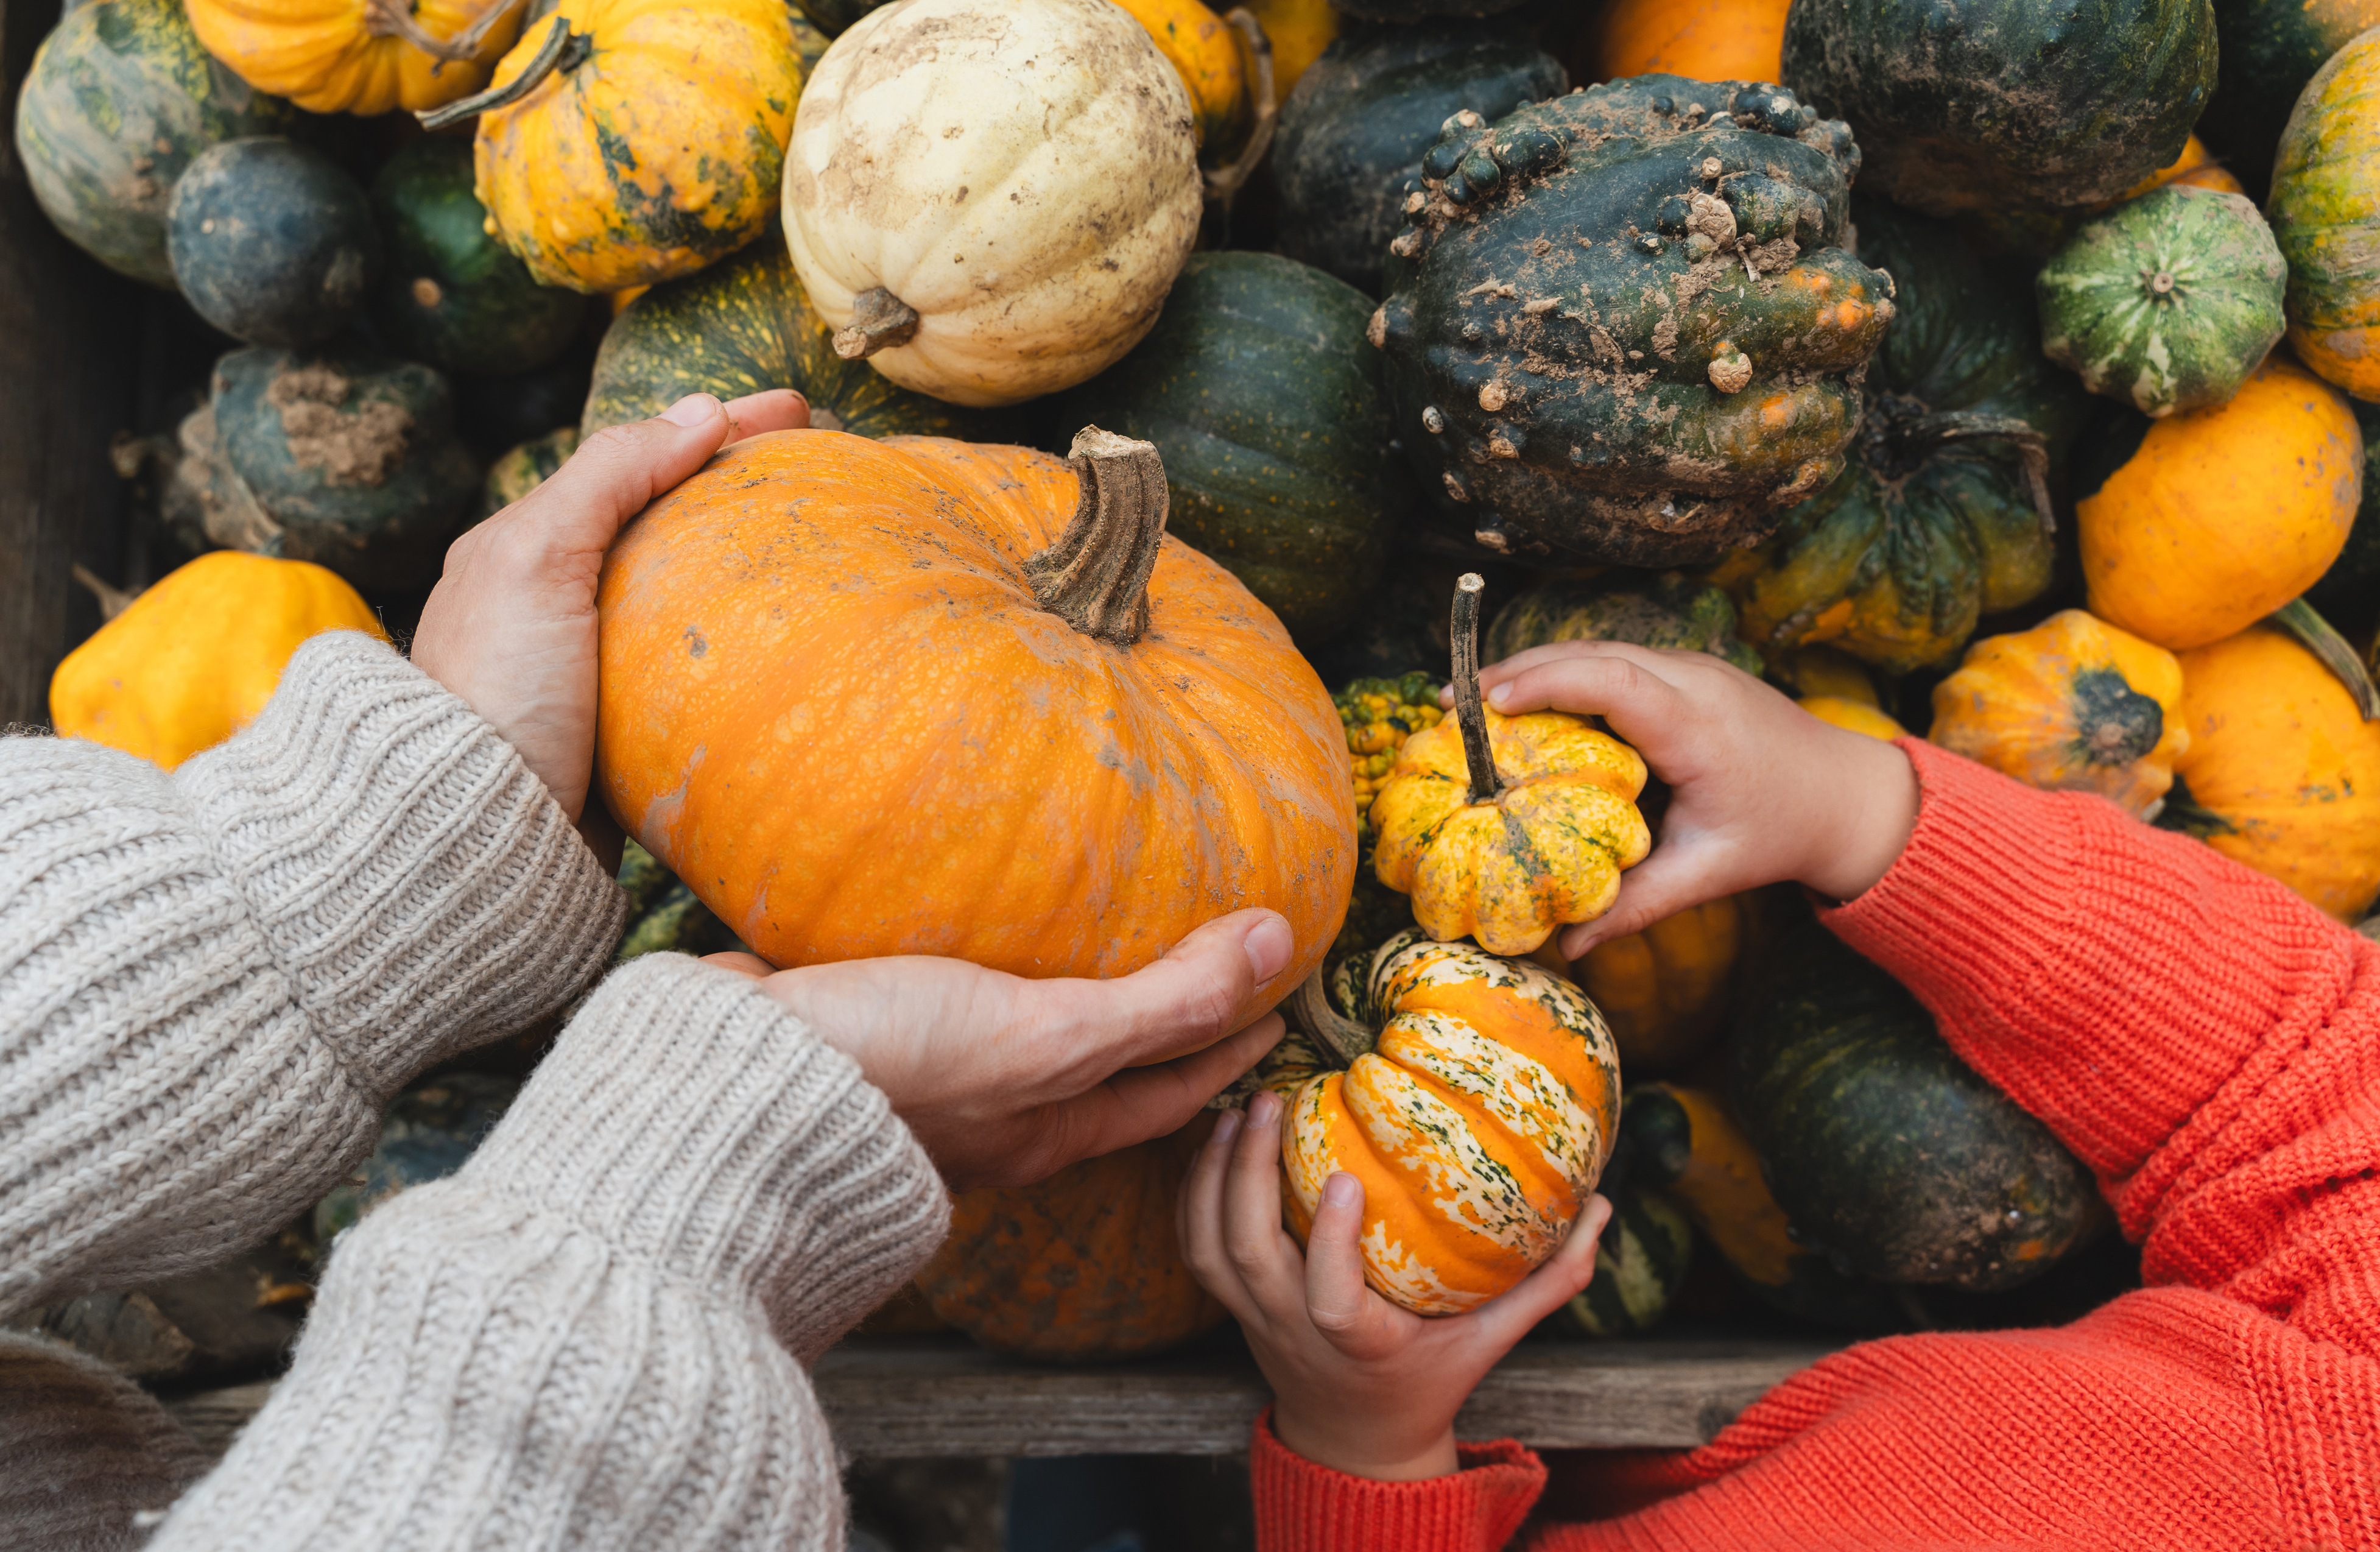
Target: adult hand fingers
1139 1103
1260 1252
1505 1319
749 964
772 410
1194 996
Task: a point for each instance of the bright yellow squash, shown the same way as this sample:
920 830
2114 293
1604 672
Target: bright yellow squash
1706 40
1205 51
2072 705
1299 31
1853 716
1667 990
194 659
359 56
2224 514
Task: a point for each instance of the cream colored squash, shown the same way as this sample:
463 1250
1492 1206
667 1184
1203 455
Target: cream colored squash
990 203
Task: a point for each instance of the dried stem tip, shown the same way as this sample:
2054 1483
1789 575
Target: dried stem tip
1468 713
1095 576
879 321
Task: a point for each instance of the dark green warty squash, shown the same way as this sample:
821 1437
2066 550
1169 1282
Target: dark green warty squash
271 241
2271 48
1620 325
525 467
743 325
1668 612
1640 1264
450 294
1941 516
1881 1145
1350 137
2168 301
1263 400
1992 104
119 98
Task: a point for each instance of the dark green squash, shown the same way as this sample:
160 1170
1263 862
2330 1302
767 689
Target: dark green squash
271 241
2001 104
1881 1145
830 18
1668 612
1263 399
1622 327
1640 1264
525 469
450 294
119 98
2271 48
1350 137
1406 12
2168 301
743 325
1941 516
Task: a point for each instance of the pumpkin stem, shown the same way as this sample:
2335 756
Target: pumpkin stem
879 321
1255 55
2316 636
1342 1036
393 18
1468 713
562 50
1095 576
2028 441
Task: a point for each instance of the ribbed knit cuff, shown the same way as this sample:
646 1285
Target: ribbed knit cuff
2109 976
688 1119
1302 1507
421 887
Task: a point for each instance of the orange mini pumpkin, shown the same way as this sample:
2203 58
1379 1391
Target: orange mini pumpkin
1667 990
928 697
1475 1098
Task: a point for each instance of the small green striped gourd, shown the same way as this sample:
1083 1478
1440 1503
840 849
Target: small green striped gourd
1638 1267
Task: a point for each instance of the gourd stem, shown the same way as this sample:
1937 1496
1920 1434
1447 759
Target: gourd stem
1468 713
879 321
1341 1037
1095 576
2316 636
393 18
2031 446
562 50
1257 53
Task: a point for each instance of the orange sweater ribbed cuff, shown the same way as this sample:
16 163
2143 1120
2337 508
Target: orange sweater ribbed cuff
1314 1509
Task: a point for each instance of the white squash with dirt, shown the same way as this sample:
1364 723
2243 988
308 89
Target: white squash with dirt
990 203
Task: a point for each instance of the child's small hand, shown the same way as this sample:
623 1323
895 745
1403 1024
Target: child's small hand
1359 1385
1760 791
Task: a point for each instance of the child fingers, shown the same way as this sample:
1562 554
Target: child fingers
1264 1257
1198 1217
1676 877
1336 1300
1637 691
1506 1318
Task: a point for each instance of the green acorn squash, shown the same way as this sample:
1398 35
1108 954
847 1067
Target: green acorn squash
1941 516
525 467
2168 301
271 241
1263 399
1669 612
1881 1145
1639 1266
2270 49
743 325
2000 104
450 294
1350 137
1621 325
119 98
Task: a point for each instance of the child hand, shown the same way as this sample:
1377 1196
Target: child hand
1359 1385
1760 790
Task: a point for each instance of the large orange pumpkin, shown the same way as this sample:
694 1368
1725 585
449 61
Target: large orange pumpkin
1708 40
928 697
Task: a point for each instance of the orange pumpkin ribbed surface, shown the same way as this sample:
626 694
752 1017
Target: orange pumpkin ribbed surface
2224 514
1707 39
354 56
834 702
1666 990
1477 1100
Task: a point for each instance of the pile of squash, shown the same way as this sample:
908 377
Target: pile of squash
1193 396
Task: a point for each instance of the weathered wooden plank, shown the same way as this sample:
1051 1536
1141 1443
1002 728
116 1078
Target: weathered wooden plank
215 1417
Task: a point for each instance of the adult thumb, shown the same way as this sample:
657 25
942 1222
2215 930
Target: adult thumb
621 469
1209 985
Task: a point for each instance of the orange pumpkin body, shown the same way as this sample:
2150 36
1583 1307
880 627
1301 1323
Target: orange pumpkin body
339 56
833 704
1667 992
1708 40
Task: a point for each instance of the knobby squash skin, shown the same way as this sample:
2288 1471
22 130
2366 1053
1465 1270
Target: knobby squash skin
2325 212
1881 1145
2224 514
1081 1267
2072 705
194 658
1263 398
2039 103
2270 49
450 294
1352 135
1919 536
271 241
2169 301
746 325
832 703
326 56
1656 399
1669 612
119 98
2282 773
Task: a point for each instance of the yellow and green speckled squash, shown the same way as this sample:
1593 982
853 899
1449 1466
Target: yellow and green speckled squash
2325 214
359 56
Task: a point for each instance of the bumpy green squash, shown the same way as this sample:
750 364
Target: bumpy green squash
119 98
1621 325
1639 1266
2036 104
1350 137
2168 301
1942 515
450 294
525 467
746 324
2271 48
1881 1145
1669 611
1263 399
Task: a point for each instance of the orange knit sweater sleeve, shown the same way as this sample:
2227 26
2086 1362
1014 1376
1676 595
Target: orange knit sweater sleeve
2210 1046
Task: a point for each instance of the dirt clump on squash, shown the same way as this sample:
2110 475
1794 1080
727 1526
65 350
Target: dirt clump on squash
362 446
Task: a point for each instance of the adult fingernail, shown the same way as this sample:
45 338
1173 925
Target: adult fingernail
695 409
1270 944
1342 1190
1499 695
1264 1108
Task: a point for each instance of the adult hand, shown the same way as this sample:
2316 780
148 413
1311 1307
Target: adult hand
1006 1080
1358 1384
1760 790
511 625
